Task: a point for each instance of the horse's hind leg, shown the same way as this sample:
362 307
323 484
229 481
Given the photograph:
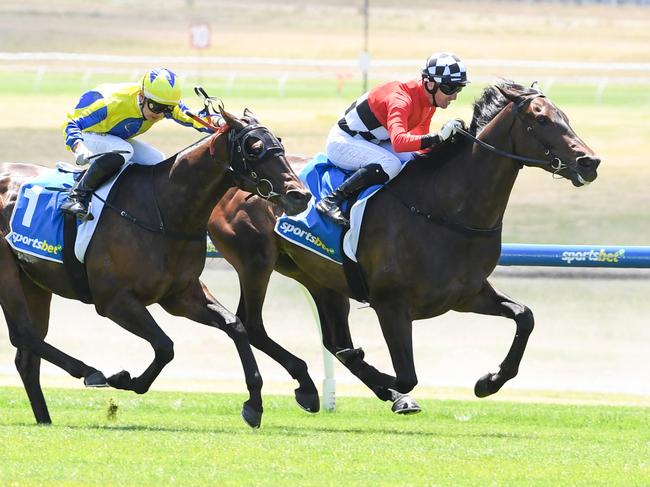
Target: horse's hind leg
253 286
333 310
492 302
15 289
128 312
197 304
27 363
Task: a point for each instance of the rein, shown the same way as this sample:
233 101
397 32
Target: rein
239 156
555 163
445 222
161 228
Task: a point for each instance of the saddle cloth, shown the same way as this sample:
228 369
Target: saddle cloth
315 233
37 223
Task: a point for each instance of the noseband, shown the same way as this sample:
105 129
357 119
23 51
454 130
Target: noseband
242 160
554 163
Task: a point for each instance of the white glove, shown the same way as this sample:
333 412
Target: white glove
449 128
82 154
217 120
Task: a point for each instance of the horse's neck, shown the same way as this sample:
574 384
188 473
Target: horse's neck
473 188
190 188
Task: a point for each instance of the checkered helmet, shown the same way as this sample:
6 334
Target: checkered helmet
445 67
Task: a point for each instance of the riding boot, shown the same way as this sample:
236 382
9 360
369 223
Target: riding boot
99 171
362 178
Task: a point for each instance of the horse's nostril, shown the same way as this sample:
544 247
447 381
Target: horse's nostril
298 196
587 161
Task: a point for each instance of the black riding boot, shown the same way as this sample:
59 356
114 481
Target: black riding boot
99 171
363 178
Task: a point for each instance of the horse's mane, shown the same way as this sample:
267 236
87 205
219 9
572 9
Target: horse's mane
485 108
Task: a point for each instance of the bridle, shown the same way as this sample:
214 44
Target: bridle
242 161
554 163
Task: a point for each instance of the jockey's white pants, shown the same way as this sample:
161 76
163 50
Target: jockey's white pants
352 153
135 151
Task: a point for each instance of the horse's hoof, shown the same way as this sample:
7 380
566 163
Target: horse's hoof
308 401
405 404
121 380
96 379
486 385
252 417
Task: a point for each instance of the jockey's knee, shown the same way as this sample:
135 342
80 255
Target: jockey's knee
391 167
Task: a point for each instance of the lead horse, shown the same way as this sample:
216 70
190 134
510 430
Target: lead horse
429 241
155 255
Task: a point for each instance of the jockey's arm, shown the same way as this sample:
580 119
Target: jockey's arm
397 122
179 115
91 116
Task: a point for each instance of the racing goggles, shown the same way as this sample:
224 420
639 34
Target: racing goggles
156 107
450 88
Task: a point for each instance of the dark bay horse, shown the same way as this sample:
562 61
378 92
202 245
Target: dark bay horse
428 243
156 255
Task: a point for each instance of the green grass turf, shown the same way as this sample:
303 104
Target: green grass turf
199 439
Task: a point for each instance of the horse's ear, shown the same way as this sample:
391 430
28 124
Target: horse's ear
510 91
230 119
249 115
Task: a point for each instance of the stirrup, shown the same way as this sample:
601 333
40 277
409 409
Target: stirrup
334 214
79 210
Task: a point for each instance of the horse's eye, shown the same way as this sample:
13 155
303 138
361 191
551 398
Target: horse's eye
255 149
541 119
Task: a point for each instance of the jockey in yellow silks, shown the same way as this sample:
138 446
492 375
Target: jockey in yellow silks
106 120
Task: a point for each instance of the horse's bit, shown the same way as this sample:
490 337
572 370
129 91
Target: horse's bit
555 163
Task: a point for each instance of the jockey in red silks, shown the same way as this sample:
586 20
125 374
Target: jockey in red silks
386 126
108 117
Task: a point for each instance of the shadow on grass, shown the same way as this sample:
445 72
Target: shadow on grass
283 431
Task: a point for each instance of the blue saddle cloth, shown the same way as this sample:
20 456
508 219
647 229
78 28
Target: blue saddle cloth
309 229
37 223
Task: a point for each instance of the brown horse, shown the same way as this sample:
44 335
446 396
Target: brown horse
429 241
154 255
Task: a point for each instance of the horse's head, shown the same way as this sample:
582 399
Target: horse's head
541 133
259 164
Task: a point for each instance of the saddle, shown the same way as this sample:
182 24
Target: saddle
311 231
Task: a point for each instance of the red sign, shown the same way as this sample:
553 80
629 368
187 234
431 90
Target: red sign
200 35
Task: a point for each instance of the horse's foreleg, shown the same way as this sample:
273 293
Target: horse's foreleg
125 310
197 304
253 286
492 302
333 310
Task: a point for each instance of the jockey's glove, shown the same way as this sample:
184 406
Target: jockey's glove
82 154
449 128
217 120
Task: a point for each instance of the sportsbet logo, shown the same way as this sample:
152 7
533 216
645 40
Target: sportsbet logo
36 243
287 227
593 256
